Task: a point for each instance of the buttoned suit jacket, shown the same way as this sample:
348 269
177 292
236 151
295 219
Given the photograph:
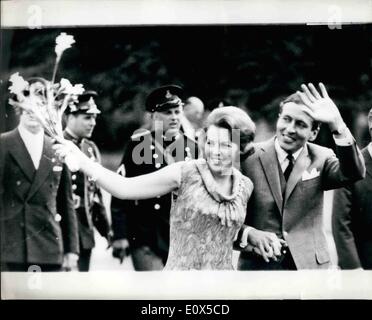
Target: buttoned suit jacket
352 221
294 211
88 200
38 220
146 222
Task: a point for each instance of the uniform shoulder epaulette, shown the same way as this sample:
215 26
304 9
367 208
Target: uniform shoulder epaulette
137 135
89 142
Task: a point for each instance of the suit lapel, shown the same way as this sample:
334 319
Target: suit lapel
302 163
20 154
45 167
270 166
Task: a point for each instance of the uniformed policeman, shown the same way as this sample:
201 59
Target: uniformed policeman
144 224
88 202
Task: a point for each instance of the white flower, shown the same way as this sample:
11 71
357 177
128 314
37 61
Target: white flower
18 84
77 89
63 42
72 108
68 88
65 84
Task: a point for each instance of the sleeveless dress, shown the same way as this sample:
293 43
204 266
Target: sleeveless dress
204 222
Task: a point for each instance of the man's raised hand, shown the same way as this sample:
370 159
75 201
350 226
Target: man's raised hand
320 106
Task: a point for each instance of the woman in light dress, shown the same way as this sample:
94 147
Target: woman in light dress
212 194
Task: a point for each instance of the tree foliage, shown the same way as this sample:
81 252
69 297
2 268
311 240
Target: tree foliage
253 67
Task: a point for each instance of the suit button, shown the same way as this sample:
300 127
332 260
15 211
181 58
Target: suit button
74 187
187 149
57 217
157 206
18 183
152 147
73 177
187 159
157 165
155 156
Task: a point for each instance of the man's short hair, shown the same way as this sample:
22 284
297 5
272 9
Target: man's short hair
295 98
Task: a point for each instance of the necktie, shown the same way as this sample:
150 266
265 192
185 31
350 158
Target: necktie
289 168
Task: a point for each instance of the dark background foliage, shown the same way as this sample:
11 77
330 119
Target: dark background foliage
252 67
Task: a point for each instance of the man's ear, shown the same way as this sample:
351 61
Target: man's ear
314 134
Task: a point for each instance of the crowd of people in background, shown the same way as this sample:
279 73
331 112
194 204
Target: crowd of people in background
188 191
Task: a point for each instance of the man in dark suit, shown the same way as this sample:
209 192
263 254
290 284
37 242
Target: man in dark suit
290 175
38 220
145 224
352 218
88 201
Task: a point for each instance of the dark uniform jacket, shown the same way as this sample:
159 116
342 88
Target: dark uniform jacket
87 198
38 220
146 222
352 221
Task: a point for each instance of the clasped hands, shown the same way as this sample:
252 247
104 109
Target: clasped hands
264 243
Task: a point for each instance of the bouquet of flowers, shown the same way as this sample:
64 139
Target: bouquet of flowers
46 100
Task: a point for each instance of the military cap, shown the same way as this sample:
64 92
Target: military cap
85 104
163 98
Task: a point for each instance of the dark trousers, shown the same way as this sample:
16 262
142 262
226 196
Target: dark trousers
145 259
30 267
252 262
84 259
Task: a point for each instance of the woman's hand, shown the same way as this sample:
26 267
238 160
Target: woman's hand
267 243
69 153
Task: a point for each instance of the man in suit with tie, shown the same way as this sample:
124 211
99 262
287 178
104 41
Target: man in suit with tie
352 218
144 224
38 220
290 175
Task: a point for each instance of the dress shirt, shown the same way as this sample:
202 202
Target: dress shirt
282 155
34 144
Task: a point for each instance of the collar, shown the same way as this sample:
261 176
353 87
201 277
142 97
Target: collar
370 149
75 139
282 154
211 185
173 138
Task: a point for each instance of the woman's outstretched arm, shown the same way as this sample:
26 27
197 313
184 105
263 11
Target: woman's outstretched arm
145 186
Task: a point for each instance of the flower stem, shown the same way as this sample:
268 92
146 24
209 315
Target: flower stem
58 58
